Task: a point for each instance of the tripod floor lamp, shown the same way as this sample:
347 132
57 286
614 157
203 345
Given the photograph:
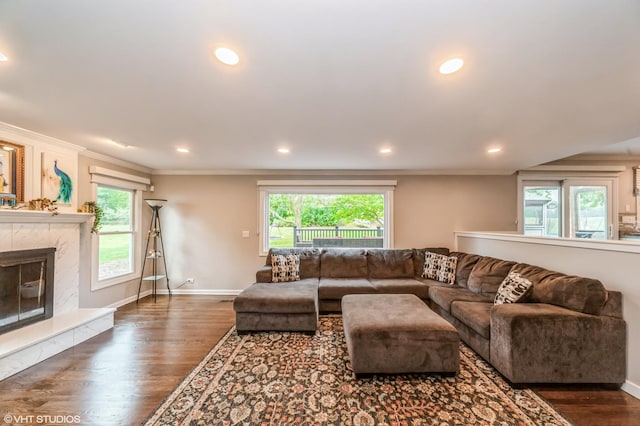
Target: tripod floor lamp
156 251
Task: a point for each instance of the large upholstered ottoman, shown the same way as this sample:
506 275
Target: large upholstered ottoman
288 306
397 333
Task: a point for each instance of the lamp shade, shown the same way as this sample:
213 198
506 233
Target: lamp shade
155 202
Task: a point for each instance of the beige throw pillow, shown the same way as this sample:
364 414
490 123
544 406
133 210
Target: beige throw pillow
285 268
513 289
440 267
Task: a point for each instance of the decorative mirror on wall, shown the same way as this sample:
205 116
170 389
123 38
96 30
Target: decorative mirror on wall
11 173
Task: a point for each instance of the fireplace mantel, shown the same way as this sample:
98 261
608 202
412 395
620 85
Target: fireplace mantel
32 216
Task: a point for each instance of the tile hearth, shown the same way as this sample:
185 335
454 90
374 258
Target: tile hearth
70 325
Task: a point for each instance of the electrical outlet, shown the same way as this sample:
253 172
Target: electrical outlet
190 280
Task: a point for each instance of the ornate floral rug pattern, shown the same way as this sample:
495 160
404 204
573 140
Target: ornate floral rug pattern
293 378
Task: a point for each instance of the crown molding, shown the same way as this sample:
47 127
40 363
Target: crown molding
272 172
576 168
19 135
604 157
116 161
327 183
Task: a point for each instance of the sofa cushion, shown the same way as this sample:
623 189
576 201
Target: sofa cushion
290 297
513 289
343 263
401 286
487 275
285 268
533 273
383 263
439 267
335 288
466 262
444 295
579 294
418 258
475 315
309 260
431 283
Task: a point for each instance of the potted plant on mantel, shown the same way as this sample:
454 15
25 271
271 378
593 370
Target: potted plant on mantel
93 207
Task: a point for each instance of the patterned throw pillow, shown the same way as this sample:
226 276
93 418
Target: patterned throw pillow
513 289
440 267
285 268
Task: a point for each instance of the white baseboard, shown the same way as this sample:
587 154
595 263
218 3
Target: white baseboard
203 291
129 299
189 291
631 388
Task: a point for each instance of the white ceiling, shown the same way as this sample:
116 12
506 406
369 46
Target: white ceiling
333 80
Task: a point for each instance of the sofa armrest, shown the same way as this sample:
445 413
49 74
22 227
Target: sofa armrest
264 275
540 343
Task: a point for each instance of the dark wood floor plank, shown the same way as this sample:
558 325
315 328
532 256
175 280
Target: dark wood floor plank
119 377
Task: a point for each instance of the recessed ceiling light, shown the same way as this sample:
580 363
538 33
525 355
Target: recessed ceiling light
227 56
182 150
3 58
494 150
283 150
385 151
451 66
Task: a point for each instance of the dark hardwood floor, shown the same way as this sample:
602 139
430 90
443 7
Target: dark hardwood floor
120 376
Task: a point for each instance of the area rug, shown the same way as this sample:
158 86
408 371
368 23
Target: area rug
281 378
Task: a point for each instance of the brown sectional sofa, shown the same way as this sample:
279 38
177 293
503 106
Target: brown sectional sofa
568 330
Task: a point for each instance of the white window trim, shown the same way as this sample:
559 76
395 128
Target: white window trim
609 175
137 184
266 187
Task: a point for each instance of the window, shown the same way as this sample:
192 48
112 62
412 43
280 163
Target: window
354 214
117 246
542 209
568 206
116 237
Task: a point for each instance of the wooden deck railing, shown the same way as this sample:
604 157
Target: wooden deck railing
304 237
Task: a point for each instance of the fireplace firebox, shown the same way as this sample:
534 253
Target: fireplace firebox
26 287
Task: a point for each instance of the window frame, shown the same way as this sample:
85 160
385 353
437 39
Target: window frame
136 184
561 204
265 188
566 180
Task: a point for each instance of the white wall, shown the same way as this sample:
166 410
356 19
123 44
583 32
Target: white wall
115 294
615 263
35 145
205 216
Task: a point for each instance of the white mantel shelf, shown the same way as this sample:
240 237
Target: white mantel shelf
32 216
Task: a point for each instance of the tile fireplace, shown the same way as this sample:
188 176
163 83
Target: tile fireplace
45 296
